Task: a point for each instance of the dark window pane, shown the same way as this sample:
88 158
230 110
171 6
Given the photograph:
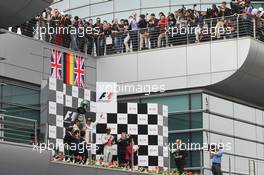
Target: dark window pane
21 112
20 95
194 159
196 101
179 122
196 120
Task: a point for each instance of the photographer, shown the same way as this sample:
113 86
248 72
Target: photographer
216 153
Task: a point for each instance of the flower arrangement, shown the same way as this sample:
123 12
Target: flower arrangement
114 165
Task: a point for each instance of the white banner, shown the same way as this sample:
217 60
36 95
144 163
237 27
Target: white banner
106 97
106 92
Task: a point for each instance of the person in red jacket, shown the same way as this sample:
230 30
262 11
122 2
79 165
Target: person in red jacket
163 25
129 151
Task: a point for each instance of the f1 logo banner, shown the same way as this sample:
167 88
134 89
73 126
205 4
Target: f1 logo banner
106 97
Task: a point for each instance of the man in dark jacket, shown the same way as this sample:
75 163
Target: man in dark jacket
180 155
99 38
224 10
121 148
143 32
68 140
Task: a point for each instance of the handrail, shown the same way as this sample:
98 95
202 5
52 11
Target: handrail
18 129
15 117
145 38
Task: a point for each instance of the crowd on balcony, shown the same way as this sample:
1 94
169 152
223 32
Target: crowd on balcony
139 32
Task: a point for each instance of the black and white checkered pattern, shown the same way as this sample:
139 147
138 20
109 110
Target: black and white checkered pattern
63 97
146 123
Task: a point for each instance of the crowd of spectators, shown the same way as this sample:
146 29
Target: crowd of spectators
139 32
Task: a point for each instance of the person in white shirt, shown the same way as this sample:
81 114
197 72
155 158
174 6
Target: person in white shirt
88 128
108 141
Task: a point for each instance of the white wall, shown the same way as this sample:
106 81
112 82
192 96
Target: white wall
188 66
234 123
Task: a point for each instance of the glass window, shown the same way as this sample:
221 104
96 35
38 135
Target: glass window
185 137
196 101
121 5
78 3
204 7
191 2
179 122
185 121
19 111
23 102
108 18
175 103
81 12
154 3
62 5
96 1
196 120
193 159
20 95
19 130
197 137
101 9
125 15
184 2
156 11
1 92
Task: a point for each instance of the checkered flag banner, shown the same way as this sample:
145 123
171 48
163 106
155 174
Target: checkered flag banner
146 123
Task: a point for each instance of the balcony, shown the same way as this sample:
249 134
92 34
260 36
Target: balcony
91 42
220 63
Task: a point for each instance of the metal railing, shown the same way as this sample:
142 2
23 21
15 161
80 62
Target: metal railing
254 166
17 129
94 42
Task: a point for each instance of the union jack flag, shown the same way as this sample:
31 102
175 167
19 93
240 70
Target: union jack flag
56 64
79 71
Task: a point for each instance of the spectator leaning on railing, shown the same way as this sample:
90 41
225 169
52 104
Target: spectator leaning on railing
136 32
